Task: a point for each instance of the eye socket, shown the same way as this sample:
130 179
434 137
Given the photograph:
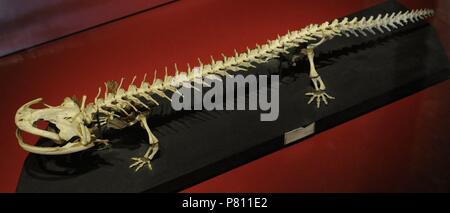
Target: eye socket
73 139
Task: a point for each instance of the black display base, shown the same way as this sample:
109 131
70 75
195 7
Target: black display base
363 73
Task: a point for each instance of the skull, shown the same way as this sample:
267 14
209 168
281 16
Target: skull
71 134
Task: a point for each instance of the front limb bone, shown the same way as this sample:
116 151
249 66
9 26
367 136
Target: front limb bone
319 93
151 151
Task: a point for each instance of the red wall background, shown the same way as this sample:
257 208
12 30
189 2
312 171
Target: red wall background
401 147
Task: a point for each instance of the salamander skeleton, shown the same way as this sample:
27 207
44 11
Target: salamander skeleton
77 123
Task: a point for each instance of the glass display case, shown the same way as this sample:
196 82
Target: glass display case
379 125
